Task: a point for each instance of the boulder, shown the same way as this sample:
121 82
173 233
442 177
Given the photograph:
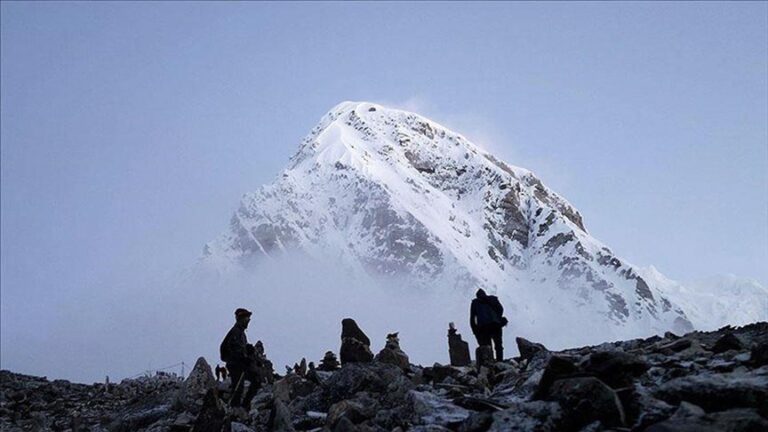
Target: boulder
536 416
717 392
431 409
355 345
197 384
357 377
734 420
727 342
212 415
280 418
615 368
759 354
291 387
438 373
476 422
586 400
529 349
357 410
674 346
558 367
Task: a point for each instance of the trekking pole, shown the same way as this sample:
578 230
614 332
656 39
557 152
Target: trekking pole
240 381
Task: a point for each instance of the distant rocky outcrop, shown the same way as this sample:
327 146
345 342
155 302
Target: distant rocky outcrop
701 381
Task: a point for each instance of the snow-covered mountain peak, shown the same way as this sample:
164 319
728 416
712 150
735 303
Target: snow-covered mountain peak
392 193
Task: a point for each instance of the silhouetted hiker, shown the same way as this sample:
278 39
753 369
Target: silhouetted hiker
486 318
234 351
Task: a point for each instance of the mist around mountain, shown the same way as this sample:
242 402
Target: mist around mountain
396 200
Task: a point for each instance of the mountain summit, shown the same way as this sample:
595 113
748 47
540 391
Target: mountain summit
393 194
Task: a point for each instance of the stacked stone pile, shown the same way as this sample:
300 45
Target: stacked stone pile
702 381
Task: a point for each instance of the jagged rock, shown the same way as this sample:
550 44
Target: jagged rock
280 418
141 419
428 408
239 427
478 404
355 345
715 392
392 354
586 400
529 349
197 384
345 425
674 346
438 373
386 395
536 416
759 354
641 409
734 420
291 387
557 368
356 377
458 349
615 368
212 414
727 342
329 362
429 428
356 410
476 422
300 368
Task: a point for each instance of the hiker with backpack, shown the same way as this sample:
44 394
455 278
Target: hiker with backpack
238 355
486 318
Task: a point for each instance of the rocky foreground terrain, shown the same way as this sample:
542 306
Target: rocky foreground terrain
715 381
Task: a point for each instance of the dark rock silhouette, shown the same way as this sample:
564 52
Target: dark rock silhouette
727 342
199 382
329 362
657 384
458 349
392 354
529 349
355 345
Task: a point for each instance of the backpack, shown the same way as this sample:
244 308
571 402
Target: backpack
224 350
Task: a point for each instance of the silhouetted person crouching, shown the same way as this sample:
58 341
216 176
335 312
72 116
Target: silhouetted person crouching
235 352
486 318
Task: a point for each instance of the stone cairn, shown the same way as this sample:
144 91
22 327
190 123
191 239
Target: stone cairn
355 345
392 354
329 363
458 349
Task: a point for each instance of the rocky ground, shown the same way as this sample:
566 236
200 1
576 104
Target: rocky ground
715 381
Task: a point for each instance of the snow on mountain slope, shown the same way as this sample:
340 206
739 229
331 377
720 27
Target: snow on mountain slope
715 301
392 194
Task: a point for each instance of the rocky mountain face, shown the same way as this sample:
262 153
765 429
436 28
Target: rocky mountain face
391 193
716 381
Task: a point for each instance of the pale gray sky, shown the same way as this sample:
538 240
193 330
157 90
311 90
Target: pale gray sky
130 130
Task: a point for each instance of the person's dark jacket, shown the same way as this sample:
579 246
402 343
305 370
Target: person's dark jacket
486 312
234 347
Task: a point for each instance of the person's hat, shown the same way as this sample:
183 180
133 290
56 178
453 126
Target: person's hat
242 312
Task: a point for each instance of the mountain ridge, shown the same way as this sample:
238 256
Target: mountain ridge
390 192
